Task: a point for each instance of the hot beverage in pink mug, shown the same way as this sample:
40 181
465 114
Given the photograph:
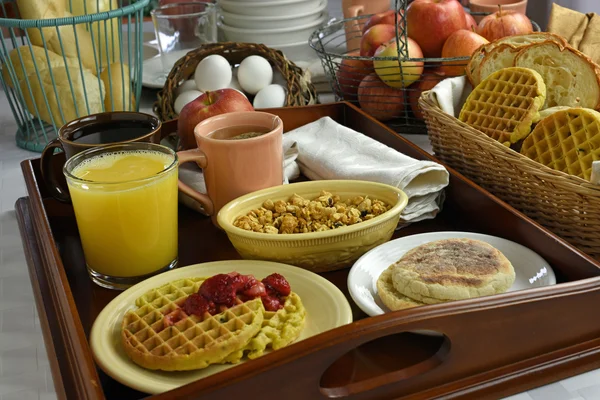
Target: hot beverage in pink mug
239 153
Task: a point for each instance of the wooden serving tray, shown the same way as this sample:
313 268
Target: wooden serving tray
491 347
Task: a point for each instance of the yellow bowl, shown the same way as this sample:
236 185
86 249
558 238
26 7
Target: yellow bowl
315 251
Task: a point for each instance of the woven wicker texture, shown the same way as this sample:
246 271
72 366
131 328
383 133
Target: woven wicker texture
567 141
504 105
565 204
300 91
158 335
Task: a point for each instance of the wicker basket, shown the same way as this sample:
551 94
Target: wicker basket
300 91
567 205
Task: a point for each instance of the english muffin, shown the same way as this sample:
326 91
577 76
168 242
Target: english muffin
388 294
452 269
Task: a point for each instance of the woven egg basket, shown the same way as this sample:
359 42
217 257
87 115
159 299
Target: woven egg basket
300 91
565 204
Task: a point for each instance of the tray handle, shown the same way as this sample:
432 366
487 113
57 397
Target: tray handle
483 337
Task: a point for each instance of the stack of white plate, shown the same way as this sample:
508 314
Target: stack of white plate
285 25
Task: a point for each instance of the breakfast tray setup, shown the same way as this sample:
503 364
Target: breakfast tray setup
485 348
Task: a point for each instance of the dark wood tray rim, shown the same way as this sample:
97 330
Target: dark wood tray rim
561 363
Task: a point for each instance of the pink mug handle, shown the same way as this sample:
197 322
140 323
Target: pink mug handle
195 155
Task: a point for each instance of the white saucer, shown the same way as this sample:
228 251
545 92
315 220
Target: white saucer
531 270
153 69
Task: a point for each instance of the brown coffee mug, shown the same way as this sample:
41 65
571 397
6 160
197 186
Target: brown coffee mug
93 131
239 153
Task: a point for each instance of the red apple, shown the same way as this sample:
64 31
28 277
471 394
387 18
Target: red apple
461 43
379 100
375 37
427 82
431 22
470 22
209 104
389 70
384 18
504 23
350 74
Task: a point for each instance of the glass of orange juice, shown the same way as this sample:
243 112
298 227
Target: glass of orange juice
125 202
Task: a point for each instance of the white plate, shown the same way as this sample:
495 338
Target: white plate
272 22
153 68
269 8
531 270
274 36
326 308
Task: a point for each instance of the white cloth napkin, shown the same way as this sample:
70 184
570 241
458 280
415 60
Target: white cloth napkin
325 149
451 94
328 150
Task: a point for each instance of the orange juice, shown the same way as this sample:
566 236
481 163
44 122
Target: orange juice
125 204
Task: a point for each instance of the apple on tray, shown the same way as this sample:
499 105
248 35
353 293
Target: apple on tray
461 43
379 100
389 70
384 18
375 37
504 23
349 75
207 105
431 22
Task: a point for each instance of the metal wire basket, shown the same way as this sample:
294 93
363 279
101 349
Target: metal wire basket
65 59
387 87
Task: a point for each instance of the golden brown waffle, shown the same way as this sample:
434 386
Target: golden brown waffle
159 335
279 329
505 104
567 141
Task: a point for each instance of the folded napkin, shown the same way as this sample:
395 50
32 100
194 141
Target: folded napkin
328 150
451 93
582 31
325 149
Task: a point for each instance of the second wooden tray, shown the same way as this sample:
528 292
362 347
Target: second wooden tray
491 347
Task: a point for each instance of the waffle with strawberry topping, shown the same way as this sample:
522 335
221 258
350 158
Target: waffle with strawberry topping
195 322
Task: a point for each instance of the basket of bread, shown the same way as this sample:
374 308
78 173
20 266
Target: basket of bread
526 128
64 60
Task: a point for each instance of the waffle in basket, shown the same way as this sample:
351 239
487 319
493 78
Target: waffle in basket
567 140
179 327
505 104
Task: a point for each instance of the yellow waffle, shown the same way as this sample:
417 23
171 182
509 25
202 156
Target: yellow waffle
567 141
159 335
279 329
505 104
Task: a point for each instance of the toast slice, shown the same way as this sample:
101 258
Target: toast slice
474 66
502 56
572 79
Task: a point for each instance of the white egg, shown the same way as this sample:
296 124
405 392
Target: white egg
272 96
254 73
184 98
213 73
190 84
234 84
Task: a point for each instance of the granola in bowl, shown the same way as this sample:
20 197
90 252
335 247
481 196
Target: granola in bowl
300 215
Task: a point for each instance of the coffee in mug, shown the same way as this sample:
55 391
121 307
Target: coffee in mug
239 153
93 131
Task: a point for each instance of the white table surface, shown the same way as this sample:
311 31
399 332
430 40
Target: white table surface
24 368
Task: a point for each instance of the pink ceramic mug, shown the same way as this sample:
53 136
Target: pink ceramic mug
357 8
235 165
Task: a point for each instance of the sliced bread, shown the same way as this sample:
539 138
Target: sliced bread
502 56
572 79
475 62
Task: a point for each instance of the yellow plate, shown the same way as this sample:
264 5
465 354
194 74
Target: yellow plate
326 308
